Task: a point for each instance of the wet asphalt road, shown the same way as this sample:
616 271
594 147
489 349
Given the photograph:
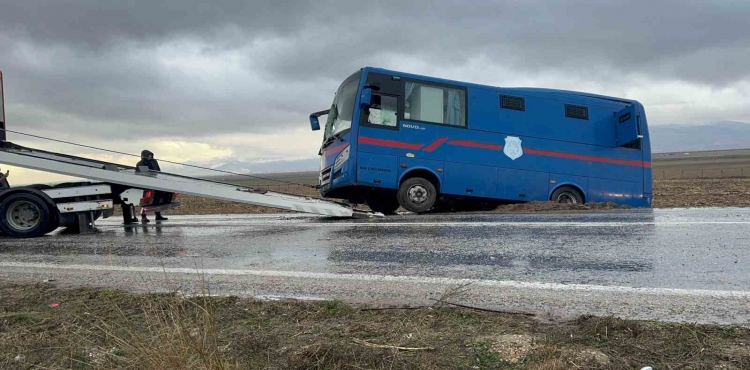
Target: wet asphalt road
677 265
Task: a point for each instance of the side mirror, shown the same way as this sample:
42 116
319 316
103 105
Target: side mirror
314 124
365 97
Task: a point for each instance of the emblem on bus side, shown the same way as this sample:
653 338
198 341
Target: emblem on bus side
513 147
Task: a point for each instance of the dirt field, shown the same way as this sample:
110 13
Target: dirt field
702 164
671 193
728 192
45 327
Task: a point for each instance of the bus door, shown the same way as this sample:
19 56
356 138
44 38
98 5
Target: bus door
378 165
628 127
629 133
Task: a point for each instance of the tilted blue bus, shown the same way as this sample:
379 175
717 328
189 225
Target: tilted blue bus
396 139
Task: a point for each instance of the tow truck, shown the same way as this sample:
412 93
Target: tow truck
36 210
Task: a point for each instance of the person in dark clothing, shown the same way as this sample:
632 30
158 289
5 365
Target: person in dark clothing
147 160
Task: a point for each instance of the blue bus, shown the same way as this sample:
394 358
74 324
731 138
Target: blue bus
396 139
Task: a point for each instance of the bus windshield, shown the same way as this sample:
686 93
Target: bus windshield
342 109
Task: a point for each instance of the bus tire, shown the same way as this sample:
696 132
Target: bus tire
383 202
567 195
417 194
25 215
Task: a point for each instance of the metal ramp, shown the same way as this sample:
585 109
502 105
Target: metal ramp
58 163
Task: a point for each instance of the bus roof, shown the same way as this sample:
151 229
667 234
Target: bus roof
516 89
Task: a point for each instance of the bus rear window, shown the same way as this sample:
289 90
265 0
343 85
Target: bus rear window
435 104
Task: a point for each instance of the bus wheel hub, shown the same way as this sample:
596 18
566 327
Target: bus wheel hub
418 194
566 198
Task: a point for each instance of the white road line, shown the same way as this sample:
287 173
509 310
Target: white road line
529 224
393 279
454 224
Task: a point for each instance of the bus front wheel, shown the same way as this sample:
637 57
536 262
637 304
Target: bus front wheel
417 195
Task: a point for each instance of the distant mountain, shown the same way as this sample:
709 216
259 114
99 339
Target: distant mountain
719 135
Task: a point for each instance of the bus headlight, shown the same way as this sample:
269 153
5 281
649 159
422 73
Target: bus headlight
341 158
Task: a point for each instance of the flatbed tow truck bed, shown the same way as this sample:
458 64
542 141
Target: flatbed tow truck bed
141 178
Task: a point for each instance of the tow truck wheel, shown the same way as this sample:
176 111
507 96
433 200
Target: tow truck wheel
25 216
417 194
385 203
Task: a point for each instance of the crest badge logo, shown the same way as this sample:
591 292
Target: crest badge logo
513 147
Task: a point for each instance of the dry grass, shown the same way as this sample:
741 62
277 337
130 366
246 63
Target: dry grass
170 333
103 329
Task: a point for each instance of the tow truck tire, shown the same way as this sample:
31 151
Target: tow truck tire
24 215
385 203
417 194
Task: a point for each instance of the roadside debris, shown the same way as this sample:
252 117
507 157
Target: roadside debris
513 348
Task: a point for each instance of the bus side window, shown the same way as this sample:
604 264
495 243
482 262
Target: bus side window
434 104
382 111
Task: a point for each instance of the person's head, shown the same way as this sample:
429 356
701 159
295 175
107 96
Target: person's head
146 154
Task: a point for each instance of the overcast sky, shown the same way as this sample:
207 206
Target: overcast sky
214 81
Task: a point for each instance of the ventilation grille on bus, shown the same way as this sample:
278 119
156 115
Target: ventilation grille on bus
576 111
512 102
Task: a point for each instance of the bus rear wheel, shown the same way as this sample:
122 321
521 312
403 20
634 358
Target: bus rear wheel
25 216
383 202
417 194
567 195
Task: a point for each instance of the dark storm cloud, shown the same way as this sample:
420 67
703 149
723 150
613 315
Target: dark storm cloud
641 36
693 41
99 65
94 24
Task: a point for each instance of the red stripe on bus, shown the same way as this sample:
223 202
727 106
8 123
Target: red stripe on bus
435 144
475 144
335 149
586 157
389 143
